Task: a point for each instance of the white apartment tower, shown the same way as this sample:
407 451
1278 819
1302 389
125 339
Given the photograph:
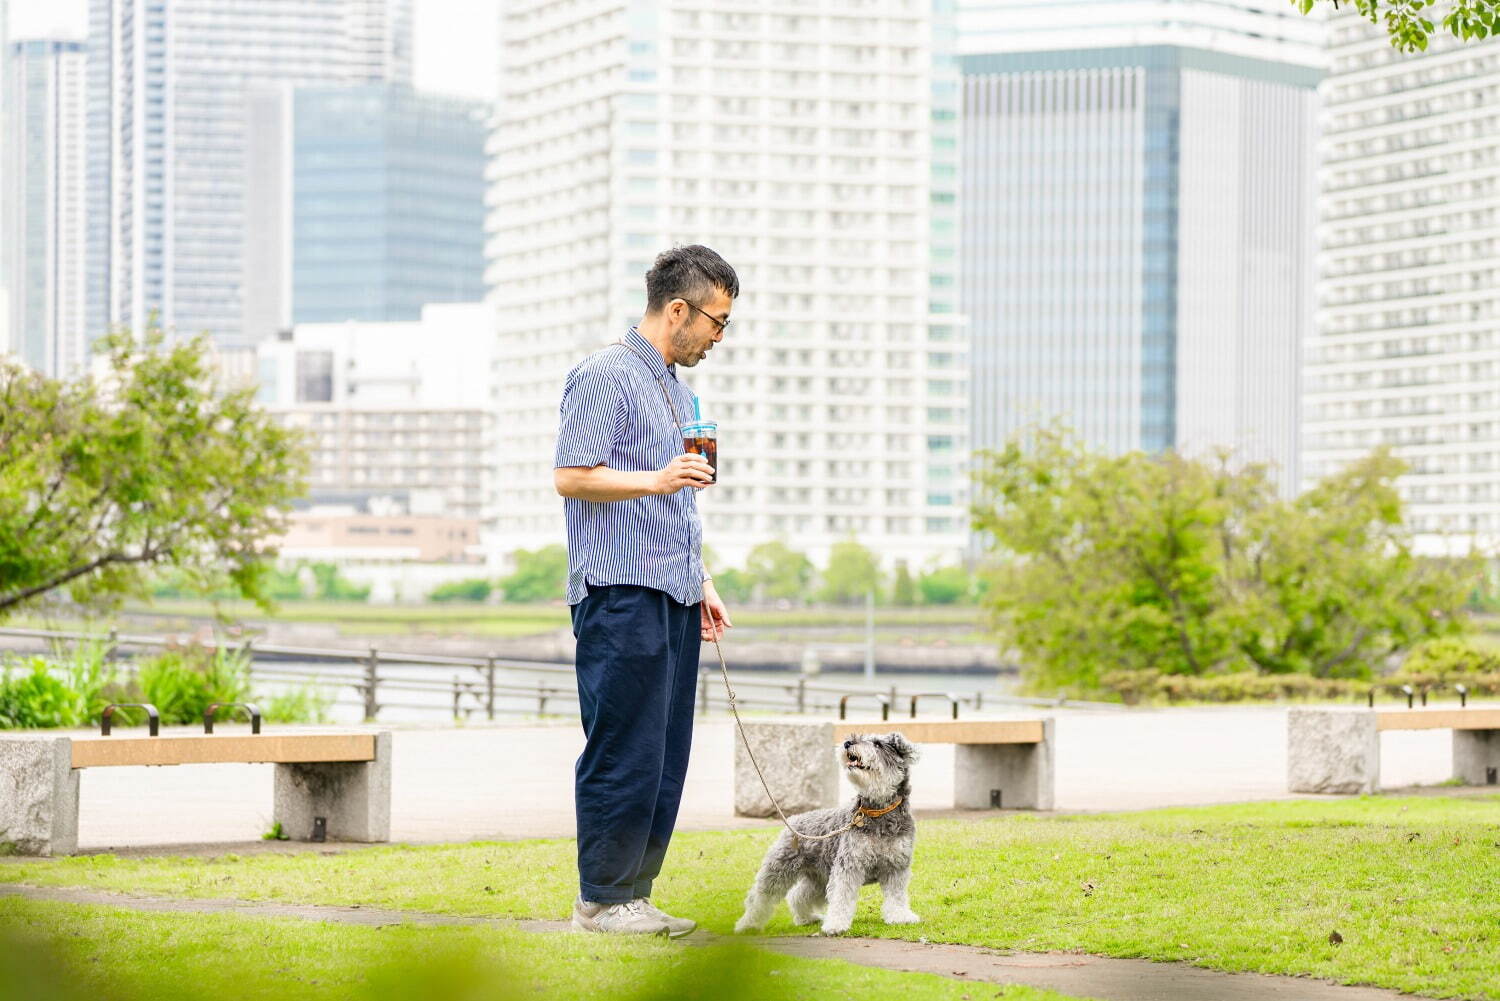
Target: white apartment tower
168 83
1139 201
812 144
1407 352
43 240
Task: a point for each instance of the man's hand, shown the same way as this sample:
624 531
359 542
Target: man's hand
687 470
713 616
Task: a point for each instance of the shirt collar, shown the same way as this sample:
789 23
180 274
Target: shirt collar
639 345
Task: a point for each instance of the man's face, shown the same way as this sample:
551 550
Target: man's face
699 329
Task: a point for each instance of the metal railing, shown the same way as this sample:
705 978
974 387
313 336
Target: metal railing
492 685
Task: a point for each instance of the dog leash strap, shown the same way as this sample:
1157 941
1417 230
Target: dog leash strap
797 836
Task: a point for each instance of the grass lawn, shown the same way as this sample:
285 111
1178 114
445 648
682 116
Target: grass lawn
1411 885
72 953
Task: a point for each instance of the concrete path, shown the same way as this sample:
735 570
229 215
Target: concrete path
1080 976
514 780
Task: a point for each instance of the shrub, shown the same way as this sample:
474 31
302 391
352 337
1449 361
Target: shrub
34 697
477 589
332 585
304 704
1153 687
541 575
1448 656
44 691
182 682
1148 687
945 585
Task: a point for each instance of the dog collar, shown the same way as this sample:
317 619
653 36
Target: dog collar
872 814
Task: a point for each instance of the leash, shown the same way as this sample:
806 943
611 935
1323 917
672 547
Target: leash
860 813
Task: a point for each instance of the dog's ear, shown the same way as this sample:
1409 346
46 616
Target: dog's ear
903 747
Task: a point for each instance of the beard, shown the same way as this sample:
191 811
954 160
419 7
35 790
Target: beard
685 348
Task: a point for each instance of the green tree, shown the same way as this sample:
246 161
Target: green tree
779 571
474 589
1329 585
903 590
103 483
1409 23
852 572
946 585
540 575
734 585
1180 566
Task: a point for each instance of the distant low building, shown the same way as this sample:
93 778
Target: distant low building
341 533
384 541
391 408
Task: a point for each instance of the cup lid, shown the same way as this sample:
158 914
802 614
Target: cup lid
700 426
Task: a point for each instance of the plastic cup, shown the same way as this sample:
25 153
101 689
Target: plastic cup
702 438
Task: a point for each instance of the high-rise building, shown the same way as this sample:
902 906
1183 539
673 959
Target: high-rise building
369 204
43 242
168 88
814 145
1407 347
1139 189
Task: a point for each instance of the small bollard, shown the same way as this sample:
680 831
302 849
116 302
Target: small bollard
994 799
320 829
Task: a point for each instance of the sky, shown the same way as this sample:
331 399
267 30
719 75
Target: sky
456 40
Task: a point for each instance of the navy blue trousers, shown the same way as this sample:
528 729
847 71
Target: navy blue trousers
637 666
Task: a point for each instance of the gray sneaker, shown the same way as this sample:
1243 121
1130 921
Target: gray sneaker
616 919
676 927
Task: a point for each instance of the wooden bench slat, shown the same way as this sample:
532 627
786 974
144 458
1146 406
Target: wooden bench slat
1437 719
96 752
1009 731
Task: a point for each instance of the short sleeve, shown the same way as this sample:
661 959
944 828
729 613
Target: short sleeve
592 417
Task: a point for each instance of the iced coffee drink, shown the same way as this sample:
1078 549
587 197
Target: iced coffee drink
702 438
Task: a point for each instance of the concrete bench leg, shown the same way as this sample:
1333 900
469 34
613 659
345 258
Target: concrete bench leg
1021 773
1332 750
800 764
1476 756
38 796
354 797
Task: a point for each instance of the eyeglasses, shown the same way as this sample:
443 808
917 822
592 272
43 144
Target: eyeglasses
721 324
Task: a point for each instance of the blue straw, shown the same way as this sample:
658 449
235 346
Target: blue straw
697 411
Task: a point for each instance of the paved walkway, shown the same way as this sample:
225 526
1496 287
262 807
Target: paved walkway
1080 976
513 781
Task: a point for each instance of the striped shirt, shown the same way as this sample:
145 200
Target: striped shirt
614 412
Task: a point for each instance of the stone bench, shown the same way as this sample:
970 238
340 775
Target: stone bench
996 763
342 777
1338 750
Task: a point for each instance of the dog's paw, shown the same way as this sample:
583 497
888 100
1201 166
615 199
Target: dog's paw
904 918
833 929
810 919
744 925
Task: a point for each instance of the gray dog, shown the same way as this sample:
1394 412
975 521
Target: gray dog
821 879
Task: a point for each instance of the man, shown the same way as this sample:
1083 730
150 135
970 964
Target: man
641 599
